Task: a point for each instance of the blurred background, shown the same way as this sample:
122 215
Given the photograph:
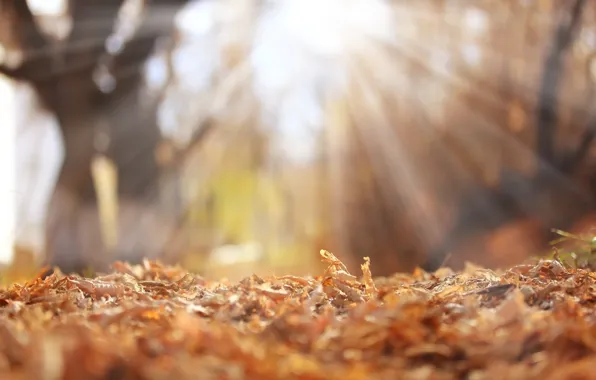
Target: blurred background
241 136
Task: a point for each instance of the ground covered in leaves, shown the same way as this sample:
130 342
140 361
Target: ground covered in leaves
156 322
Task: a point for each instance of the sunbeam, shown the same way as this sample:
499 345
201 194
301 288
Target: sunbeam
404 131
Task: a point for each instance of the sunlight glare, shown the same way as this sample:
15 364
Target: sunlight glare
7 170
48 7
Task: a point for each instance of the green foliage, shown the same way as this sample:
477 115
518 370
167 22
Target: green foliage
578 252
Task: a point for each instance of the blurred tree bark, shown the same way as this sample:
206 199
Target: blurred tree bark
63 74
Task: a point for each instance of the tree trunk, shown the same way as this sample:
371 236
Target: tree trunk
62 73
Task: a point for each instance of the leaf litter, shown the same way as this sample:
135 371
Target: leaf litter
155 322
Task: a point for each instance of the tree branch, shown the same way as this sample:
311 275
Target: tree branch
17 22
547 115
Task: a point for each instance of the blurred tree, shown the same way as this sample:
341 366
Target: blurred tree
495 161
94 89
537 81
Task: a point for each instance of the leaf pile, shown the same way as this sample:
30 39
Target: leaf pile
156 322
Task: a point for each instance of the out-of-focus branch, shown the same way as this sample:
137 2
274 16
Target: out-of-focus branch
547 115
18 31
573 161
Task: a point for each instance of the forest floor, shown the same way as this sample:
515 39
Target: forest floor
149 321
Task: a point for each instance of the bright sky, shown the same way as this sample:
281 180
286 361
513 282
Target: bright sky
47 7
30 155
7 169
